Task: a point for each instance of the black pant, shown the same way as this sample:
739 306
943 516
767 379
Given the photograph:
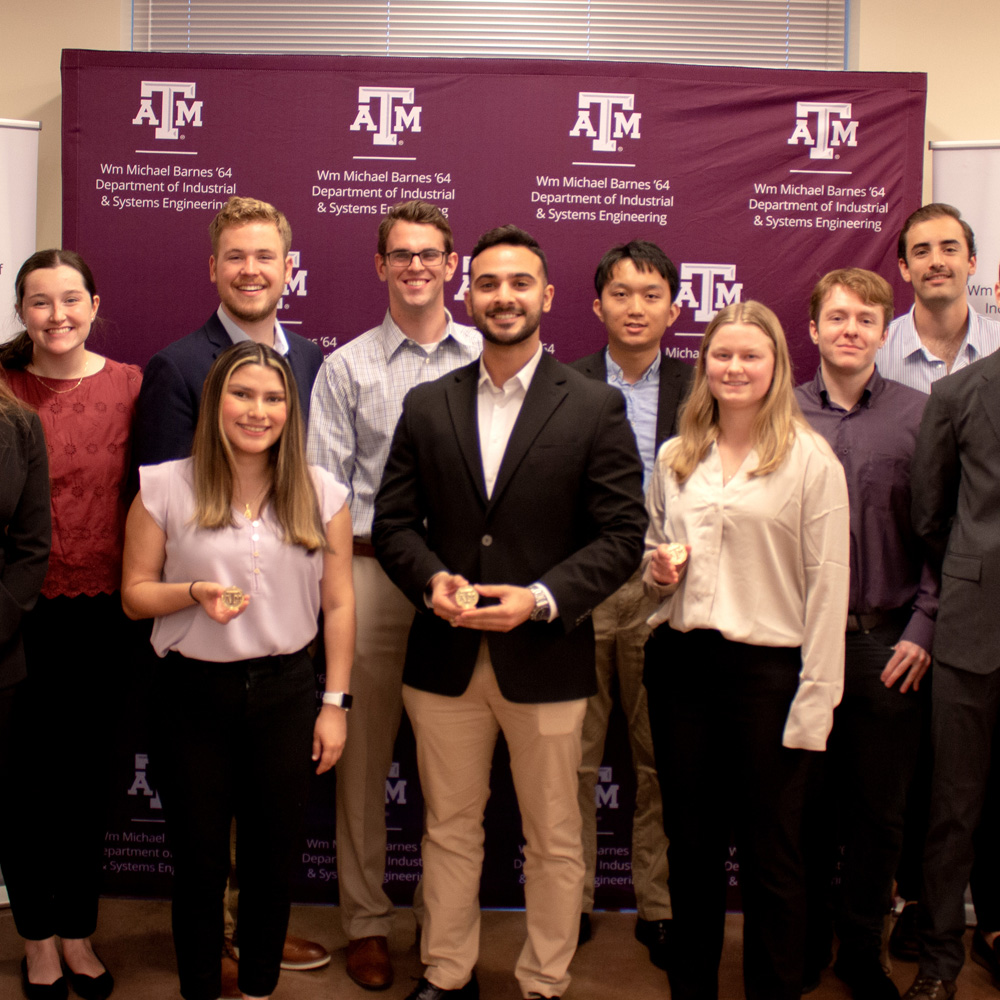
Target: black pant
964 719
63 718
234 739
717 711
859 799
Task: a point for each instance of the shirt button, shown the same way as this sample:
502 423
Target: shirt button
487 540
256 570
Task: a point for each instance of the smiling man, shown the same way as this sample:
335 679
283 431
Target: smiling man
512 484
871 423
940 334
636 285
356 402
249 266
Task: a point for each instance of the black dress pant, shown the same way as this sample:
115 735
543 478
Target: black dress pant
717 711
63 718
234 740
859 800
964 719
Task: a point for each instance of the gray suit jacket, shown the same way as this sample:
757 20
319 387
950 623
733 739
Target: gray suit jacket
956 511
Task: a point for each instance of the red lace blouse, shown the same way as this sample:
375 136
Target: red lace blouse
88 433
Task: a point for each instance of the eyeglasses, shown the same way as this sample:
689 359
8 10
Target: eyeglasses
403 258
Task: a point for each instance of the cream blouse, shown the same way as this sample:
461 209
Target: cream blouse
769 565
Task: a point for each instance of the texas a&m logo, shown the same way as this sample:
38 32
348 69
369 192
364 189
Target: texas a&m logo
169 106
612 121
393 118
707 288
829 125
296 284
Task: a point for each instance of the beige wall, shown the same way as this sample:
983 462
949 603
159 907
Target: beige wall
32 37
957 45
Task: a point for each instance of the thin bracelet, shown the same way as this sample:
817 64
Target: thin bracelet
191 591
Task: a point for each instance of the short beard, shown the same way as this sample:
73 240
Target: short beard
531 324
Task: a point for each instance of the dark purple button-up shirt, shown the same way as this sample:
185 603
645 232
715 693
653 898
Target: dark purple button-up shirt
875 443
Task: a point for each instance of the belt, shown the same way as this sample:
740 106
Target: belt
871 619
362 547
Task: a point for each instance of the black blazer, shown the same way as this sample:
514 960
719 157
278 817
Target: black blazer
25 534
675 382
955 483
166 411
566 510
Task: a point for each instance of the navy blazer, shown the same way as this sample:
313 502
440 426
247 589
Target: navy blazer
675 383
566 510
166 411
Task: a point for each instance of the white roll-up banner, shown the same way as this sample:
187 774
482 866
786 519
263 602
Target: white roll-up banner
967 175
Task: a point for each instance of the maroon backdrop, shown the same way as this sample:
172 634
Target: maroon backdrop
755 182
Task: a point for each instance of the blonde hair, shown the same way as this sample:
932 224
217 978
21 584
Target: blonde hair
241 212
775 423
292 493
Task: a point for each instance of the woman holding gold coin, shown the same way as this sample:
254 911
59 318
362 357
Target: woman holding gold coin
234 552
747 549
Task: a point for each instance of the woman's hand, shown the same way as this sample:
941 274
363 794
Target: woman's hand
209 596
663 568
329 736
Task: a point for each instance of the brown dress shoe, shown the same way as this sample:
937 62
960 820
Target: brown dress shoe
368 963
300 954
230 979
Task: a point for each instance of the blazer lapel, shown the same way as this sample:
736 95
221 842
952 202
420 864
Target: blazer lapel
989 393
671 385
545 394
460 395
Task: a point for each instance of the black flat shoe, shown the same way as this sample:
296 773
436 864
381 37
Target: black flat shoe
42 991
91 987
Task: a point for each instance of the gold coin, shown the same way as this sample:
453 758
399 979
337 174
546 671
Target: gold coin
232 597
466 597
677 553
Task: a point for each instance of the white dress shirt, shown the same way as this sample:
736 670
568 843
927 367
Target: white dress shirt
498 409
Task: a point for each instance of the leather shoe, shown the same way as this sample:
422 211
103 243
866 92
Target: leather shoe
368 962
928 988
656 936
298 955
230 979
986 955
904 943
428 991
42 991
584 936
866 977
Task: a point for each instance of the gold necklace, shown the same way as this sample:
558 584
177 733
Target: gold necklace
38 379
247 511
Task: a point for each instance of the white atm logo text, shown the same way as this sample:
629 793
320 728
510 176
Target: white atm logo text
392 119
718 289
173 111
831 129
296 285
612 123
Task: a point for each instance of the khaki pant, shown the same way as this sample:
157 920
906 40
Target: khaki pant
620 631
455 741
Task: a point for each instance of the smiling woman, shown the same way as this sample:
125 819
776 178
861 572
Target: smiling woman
85 403
746 661
234 552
